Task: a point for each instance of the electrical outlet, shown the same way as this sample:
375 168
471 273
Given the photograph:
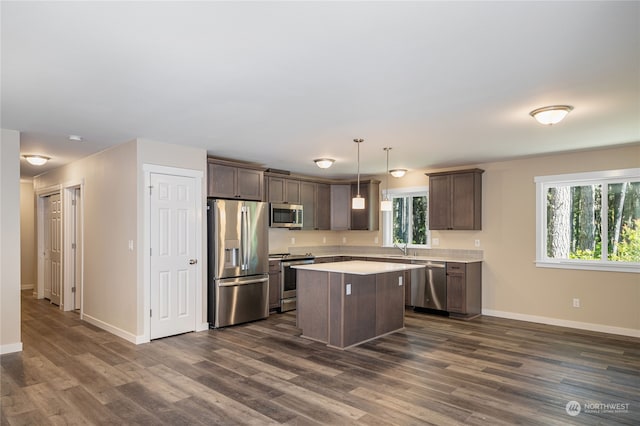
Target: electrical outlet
324 240
348 289
576 302
435 241
375 240
293 240
344 240
400 281
477 243
130 245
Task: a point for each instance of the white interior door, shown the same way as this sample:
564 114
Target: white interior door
52 248
173 249
77 273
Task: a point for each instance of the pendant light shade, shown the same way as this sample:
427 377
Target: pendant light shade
386 205
357 203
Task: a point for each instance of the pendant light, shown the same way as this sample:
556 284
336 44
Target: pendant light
357 203
386 205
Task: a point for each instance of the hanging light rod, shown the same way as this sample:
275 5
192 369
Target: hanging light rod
551 114
385 204
357 203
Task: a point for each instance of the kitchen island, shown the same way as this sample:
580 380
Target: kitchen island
344 304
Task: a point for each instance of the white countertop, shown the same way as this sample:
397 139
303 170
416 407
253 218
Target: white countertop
358 267
407 258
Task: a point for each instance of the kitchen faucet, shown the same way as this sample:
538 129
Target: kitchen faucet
402 249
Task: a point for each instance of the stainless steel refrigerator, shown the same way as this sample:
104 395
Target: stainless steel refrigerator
238 243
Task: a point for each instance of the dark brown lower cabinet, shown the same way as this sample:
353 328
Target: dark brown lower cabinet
389 302
343 310
274 285
464 289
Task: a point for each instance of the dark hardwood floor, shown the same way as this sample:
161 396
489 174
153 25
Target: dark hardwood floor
487 371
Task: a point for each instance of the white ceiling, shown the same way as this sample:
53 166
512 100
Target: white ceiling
443 83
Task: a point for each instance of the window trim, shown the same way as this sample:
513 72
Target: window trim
605 177
387 226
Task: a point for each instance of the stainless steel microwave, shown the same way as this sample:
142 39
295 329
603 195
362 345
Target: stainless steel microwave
285 216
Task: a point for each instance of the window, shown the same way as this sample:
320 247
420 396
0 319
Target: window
408 221
589 220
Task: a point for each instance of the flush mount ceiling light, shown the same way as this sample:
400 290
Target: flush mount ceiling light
324 163
36 160
386 205
75 138
398 173
357 203
551 114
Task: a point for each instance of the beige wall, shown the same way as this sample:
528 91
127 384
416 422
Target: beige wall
512 285
512 282
110 220
28 261
10 340
162 154
113 203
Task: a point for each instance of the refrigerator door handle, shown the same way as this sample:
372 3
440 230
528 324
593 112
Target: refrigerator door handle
235 283
244 231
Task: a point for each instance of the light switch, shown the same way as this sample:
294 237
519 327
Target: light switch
400 281
130 245
348 289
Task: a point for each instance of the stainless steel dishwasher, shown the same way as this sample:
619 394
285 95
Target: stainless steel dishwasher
429 286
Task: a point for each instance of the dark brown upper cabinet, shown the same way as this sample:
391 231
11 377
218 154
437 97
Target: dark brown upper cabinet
283 190
455 200
228 180
367 219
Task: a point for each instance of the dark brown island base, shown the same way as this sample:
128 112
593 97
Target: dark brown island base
344 304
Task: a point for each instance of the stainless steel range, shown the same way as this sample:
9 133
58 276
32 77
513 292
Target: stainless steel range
288 277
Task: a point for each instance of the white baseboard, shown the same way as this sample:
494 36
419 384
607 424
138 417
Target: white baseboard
10 348
27 286
129 337
563 323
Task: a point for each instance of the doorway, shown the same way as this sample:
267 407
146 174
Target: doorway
73 249
52 247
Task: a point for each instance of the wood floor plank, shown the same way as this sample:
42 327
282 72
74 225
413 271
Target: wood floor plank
486 371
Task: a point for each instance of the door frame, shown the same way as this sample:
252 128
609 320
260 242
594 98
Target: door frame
69 228
41 194
198 177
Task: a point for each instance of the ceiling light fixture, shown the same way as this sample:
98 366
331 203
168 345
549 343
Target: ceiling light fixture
551 114
75 138
386 205
357 203
398 173
324 163
36 160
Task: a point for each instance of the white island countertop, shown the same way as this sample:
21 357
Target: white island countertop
358 267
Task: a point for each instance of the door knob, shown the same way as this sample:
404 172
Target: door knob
193 261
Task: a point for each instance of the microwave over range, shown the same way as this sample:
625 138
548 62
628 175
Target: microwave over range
286 216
